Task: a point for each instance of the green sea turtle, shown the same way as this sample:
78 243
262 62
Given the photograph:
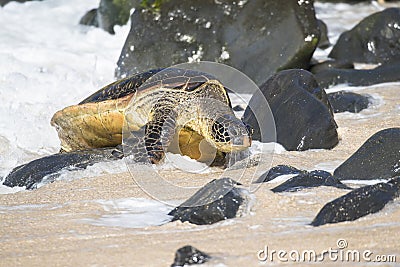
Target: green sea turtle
156 111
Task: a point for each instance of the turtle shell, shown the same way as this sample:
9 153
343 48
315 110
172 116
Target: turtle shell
172 78
97 121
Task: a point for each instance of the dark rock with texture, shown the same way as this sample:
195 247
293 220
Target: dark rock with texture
348 101
90 18
358 203
216 201
237 108
109 14
388 72
256 37
377 158
301 110
49 167
323 39
189 255
374 40
278 171
5 2
329 65
308 180
344 1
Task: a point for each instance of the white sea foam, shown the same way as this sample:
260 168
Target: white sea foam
184 163
10 190
328 166
364 182
127 212
268 148
27 208
98 169
282 178
131 213
47 62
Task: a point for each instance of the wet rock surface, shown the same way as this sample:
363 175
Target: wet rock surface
388 72
49 167
247 35
110 13
308 180
373 40
377 158
189 255
276 171
301 110
238 108
348 101
5 2
216 201
90 18
323 39
358 203
344 1
330 65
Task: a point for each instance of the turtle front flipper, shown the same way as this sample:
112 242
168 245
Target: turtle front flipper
151 141
159 134
133 147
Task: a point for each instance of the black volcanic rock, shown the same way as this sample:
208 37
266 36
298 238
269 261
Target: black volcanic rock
278 171
5 2
388 72
358 203
348 101
377 158
110 13
49 167
323 40
330 64
308 180
257 37
374 40
216 201
301 110
189 255
344 1
90 18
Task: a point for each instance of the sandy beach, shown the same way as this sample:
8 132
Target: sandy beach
53 226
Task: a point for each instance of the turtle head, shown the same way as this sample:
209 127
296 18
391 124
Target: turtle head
229 134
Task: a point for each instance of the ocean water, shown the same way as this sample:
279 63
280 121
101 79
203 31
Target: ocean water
48 61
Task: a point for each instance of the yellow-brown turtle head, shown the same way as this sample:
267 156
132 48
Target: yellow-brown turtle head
228 134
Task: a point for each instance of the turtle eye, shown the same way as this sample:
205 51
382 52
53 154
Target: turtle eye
233 131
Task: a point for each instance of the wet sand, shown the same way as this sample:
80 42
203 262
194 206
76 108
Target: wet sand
51 231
